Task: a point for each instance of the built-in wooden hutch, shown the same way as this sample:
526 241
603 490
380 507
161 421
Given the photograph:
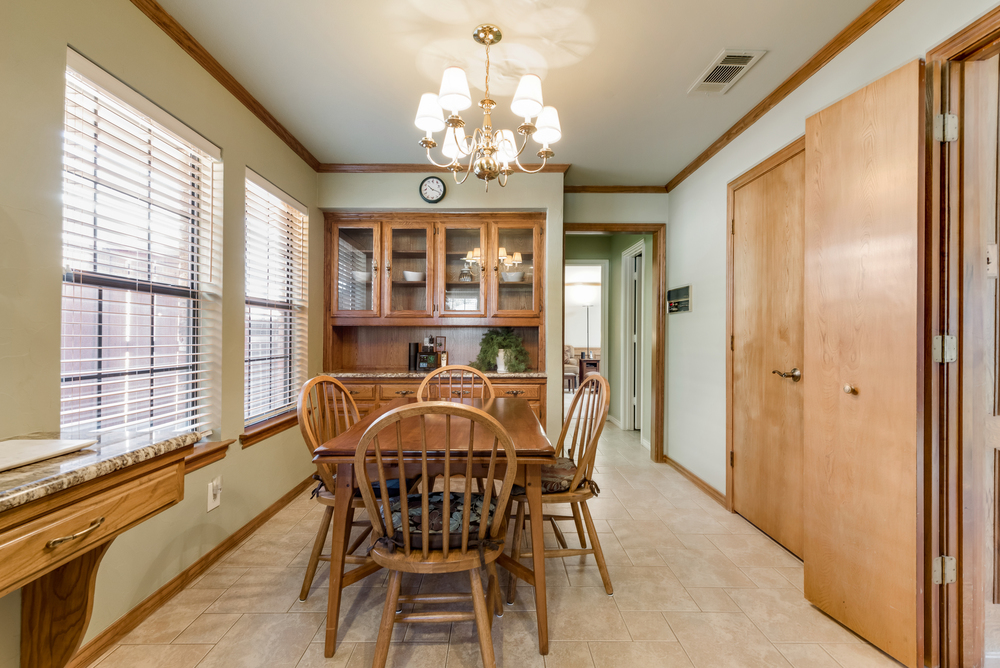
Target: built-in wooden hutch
392 278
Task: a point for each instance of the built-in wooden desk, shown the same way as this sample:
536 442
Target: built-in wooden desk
57 520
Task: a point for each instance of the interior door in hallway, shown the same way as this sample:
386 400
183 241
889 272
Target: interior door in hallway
767 361
864 354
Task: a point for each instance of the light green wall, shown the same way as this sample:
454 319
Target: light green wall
588 247
118 37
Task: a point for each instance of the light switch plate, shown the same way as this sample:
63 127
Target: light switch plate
214 493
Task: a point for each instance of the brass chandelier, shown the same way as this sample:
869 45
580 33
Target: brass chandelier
492 154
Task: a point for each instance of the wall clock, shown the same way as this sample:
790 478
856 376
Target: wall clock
432 189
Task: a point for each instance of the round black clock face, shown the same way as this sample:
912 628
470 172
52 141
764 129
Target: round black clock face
432 189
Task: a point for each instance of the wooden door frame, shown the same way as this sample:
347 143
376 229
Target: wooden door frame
781 157
959 492
657 453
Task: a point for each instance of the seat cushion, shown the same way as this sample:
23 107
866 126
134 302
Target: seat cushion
555 477
436 518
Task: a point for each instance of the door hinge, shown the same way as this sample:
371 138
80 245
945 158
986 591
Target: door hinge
944 570
732 227
732 342
946 128
945 349
732 455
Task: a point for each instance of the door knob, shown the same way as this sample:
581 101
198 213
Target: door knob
794 374
850 389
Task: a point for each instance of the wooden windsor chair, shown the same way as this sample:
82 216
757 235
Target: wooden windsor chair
326 409
569 480
456 382
438 532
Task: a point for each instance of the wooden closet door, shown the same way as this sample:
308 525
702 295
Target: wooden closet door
768 220
864 330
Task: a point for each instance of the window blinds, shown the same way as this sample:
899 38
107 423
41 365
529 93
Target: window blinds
137 247
276 289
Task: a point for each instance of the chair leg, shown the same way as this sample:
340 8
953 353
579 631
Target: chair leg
515 551
324 529
579 524
598 553
496 607
560 538
388 619
482 619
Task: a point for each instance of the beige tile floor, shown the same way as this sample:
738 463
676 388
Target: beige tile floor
694 586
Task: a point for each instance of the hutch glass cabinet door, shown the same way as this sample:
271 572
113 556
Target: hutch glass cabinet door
409 269
356 268
461 289
516 259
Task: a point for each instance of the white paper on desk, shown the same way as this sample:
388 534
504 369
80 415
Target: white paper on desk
21 452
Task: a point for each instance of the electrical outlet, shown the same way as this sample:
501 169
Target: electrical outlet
215 493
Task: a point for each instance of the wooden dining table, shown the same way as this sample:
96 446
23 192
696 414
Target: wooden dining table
533 450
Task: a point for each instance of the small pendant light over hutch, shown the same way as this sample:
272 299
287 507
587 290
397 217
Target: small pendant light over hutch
492 154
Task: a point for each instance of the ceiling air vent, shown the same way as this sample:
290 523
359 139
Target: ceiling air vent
725 70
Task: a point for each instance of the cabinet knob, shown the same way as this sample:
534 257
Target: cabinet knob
850 389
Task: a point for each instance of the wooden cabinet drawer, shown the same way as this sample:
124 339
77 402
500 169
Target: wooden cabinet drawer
364 408
27 550
530 392
397 390
361 391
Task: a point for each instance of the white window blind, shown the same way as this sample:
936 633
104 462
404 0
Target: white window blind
276 290
138 206
352 295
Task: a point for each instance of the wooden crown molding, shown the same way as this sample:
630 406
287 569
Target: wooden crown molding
176 32
971 41
661 190
410 168
858 27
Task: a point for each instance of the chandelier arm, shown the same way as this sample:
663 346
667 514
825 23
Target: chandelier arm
472 154
502 179
524 145
433 162
531 171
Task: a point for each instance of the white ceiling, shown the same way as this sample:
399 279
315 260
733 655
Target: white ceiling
345 77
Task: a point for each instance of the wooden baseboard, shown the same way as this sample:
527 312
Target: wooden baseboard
106 639
719 497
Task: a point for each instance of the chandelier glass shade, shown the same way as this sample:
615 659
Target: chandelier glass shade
491 154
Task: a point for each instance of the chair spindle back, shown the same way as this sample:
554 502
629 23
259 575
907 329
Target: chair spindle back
456 382
585 420
326 410
390 446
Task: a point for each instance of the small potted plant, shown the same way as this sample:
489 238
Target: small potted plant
501 350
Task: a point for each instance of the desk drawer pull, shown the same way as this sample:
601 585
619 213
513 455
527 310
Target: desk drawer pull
353 392
460 393
404 393
79 534
515 393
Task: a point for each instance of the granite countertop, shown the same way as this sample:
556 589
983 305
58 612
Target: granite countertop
419 375
111 453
